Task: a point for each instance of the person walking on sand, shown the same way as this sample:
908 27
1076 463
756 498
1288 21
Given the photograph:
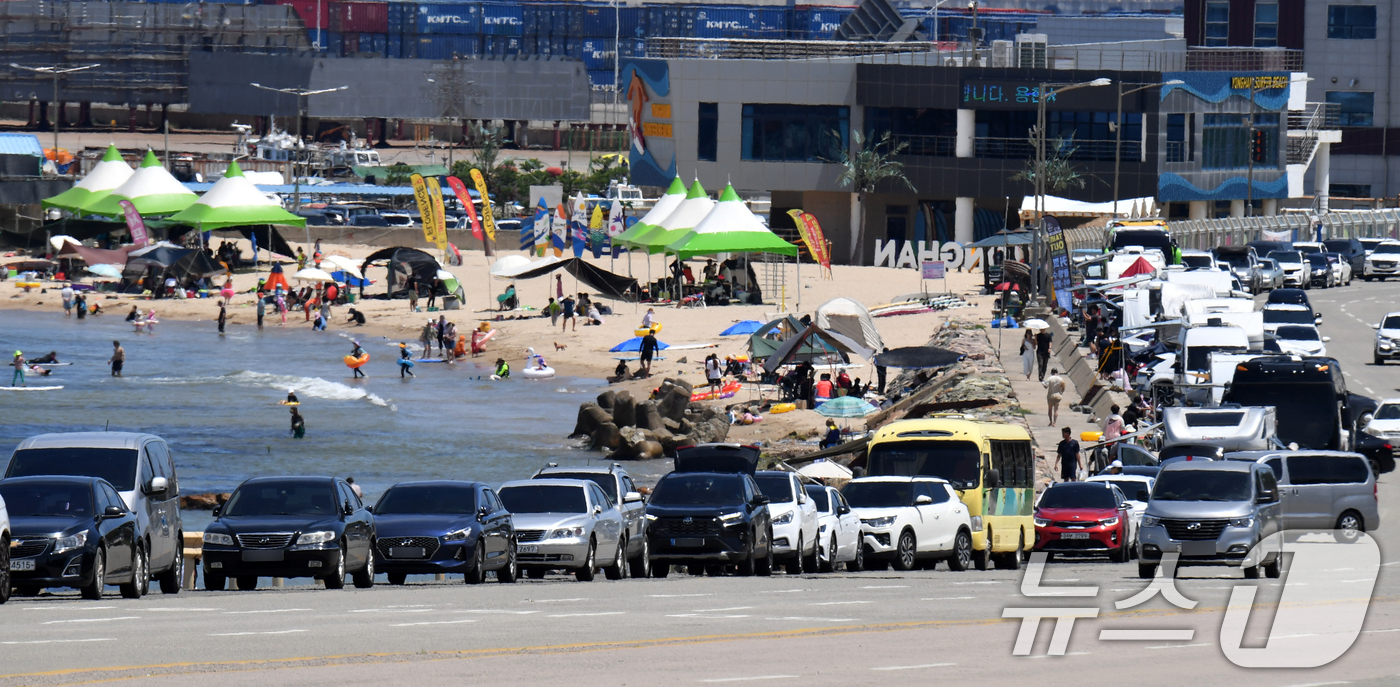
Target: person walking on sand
568 314
648 349
356 352
1054 393
1043 339
19 365
67 295
1069 456
298 425
559 286
1028 354
712 374
223 317
553 309
118 358
413 298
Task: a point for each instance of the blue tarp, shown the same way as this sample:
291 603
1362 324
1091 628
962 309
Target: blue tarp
634 344
744 327
348 280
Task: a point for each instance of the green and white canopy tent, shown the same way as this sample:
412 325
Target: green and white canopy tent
729 228
105 176
664 206
685 217
234 202
151 189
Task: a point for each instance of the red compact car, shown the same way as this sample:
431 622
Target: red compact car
1086 518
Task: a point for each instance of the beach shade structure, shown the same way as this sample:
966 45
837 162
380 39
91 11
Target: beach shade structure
1139 266
1004 238
108 271
405 265
349 279
664 206
634 345
506 267
729 228
104 177
603 282
58 242
686 217
234 202
812 343
918 357
166 260
825 469
340 263
849 318
451 284
846 406
740 328
151 189
313 274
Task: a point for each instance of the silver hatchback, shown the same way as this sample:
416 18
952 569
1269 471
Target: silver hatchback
1211 513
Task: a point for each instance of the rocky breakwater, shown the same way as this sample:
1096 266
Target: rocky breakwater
651 428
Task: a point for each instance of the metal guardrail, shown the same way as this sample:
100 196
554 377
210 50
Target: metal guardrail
1243 59
1091 150
1209 233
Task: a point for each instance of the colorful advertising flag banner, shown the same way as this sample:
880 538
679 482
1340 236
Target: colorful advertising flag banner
460 189
425 206
135 225
811 232
439 213
488 220
1058 251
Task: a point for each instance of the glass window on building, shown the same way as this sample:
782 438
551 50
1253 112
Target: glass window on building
1217 22
1265 24
1356 109
707 139
1226 142
1349 190
923 131
795 133
1178 137
1351 22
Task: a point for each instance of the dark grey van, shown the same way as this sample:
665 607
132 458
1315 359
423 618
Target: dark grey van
141 468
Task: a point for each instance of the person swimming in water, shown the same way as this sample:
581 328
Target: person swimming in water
405 361
355 353
292 397
502 368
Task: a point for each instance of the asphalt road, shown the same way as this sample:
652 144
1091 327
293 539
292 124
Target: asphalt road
862 628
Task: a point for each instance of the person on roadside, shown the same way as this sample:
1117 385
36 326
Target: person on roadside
880 374
1028 354
223 317
1071 460
67 295
1043 339
298 425
1113 424
1054 393
648 349
118 358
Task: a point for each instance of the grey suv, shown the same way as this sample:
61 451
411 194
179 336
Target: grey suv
1211 513
619 487
1323 490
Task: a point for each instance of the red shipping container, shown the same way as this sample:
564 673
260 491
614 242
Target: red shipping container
307 10
360 17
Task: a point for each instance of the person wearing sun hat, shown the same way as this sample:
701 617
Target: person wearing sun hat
18 362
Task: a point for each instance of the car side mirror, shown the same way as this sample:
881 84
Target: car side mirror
923 500
481 513
597 510
217 510
1325 339
843 510
347 509
113 512
993 478
369 509
1317 318
1376 326
158 485
631 497
759 500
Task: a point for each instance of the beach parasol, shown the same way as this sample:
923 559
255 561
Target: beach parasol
449 281
1035 323
108 271
104 176
58 241
1004 238
340 263
729 228
234 201
151 189
744 327
846 406
634 344
825 469
313 274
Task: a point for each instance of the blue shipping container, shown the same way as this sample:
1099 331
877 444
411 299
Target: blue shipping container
768 22
632 47
395 44
501 19
529 45
601 77
598 21
568 21
530 20
335 46
318 37
403 18
573 47
463 19
444 47
818 23
501 46
597 53
558 45
722 22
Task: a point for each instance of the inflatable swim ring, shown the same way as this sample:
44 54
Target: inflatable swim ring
642 331
1091 437
353 362
536 373
726 391
782 408
288 403
405 362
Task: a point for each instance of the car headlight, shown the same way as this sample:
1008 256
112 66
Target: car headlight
650 517
70 542
218 539
1109 522
314 538
1041 522
1242 522
784 519
731 518
459 535
879 522
1149 521
976 522
568 532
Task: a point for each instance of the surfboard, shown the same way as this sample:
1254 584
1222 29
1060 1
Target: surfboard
30 388
51 364
431 360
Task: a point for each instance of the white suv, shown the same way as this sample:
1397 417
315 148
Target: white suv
1383 262
907 519
794 517
4 553
1387 345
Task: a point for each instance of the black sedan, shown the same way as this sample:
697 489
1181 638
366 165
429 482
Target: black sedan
290 527
444 527
73 532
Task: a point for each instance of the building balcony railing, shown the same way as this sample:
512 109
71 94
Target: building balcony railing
1316 116
927 146
1176 151
1097 150
1243 59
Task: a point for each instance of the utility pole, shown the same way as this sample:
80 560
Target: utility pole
1118 127
302 94
1043 94
56 72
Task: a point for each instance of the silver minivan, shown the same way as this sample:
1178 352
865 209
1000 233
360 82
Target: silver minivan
1323 490
1211 513
140 466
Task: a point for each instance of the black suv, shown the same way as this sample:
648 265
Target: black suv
1351 251
710 512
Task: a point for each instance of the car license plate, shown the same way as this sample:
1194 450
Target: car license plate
1198 548
529 548
407 552
261 556
22 564
1074 535
688 541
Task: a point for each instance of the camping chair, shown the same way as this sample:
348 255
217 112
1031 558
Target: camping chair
507 300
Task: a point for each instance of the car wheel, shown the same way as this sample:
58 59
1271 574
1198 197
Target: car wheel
214 583
535 573
397 578
1011 561
829 565
246 583
747 566
1273 570
962 552
510 572
982 560
477 574
336 580
1147 571
1120 554
764 565
1352 526
794 566
858 564
93 590
1251 572
364 579
695 569
904 551
586 573
641 565
1377 360
618 569
4 569
660 571
174 577
810 562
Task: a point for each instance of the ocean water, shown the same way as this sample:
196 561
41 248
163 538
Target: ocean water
215 400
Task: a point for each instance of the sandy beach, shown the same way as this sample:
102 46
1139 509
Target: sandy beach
585 348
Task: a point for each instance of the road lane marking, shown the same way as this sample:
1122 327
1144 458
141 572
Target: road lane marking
838 603
750 679
68 608
1072 653
982 582
392 610
93 620
546 601
783 591
436 622
269 610
63 641
172 609
496 611
585 615
820 620
244 634
1322 684
708 617
1369 632
918 667
947 598
886 586
1177 646
717 610
675 596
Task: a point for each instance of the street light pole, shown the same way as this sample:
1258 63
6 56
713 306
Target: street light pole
1118 125
1043 95
301 94
56 72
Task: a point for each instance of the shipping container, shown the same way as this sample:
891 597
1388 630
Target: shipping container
307 10
500 46
740 22
530 21
317 38
403 18
360 17
558 45
454 18
601 77
445 47
573 47
598 21
815 23
395 45
597 53
632 47
335 45
568 20
502 19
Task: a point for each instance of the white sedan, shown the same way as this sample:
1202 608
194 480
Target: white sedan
1385 421
1301 339
1137 489
838 530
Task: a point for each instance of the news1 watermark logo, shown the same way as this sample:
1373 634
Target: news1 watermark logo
1326 592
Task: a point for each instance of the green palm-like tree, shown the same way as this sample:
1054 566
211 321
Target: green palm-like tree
1060 173
864 169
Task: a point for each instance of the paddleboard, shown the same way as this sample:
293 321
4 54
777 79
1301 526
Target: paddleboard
431 360
51 364
30 388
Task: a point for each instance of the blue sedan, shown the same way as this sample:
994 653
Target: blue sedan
445 526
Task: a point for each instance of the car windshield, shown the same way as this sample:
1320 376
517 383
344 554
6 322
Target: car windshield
1142 237
46 499
879 494
1294 332
1288 256
1272 316
1391 322
1085 495
1388 248
1388 411
604 480
1202 485
1133 490
778 488
287 498
1288 297
1267 264
955 461
680 489
818 496
1317 260
1236 260
544 498
427 500
1338 245
116 465
1197 261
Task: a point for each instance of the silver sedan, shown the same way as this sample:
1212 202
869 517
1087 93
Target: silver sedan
566 524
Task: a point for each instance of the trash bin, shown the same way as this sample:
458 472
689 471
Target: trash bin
451 303
350 296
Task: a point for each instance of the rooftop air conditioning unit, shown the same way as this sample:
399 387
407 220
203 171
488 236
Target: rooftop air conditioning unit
1031 50
1003 54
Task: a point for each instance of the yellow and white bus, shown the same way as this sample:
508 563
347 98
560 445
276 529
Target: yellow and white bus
990 465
